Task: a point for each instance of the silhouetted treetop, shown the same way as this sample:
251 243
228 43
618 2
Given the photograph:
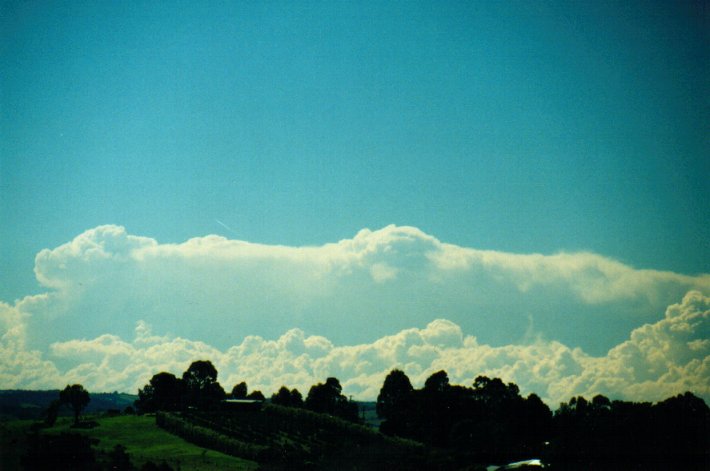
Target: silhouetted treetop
394 394
76 397
239 391
437 382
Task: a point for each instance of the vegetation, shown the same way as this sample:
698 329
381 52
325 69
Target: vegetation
491 423
604 434
19 404
328 399
76 397
146 445
281 437
440 426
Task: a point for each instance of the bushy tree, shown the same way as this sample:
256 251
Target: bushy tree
328 398
201 387
164 392
76 397
394 402
287 398
256 395
239 391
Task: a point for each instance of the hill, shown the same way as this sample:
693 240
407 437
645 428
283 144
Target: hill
292 438
22 404
143 439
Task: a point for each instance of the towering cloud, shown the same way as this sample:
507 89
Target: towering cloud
119 308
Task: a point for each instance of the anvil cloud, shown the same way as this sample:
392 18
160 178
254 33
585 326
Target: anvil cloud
119 308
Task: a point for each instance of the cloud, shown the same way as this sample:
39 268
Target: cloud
119 308
215 289
656 361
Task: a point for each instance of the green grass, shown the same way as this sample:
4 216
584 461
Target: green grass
144 441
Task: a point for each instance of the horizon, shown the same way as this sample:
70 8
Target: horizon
509 189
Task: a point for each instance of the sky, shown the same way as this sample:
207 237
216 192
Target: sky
297 190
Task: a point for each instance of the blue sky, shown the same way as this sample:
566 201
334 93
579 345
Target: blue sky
515 127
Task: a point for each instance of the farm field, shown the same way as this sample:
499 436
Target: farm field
143 439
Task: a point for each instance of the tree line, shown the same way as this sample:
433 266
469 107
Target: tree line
490 422
198 388
487 422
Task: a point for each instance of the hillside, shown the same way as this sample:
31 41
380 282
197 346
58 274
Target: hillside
288 438
22 404
144 441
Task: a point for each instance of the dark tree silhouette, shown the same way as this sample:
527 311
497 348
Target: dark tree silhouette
328 398
164 392
394 402
201 387
296 398
437 382
239 391
256 395
394 394
615 435
287 398
76 397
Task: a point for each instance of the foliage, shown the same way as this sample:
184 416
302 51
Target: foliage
295 437
207 437
164 392
287 398
239 391
198 387
76 397
201 387
328 399
394 403
256 395
489 422
674 433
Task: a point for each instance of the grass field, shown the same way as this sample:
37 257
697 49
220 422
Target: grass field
144 441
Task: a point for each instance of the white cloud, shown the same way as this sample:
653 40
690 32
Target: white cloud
219 299
657 361
217 289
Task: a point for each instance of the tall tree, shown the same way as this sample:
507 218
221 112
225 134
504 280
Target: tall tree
239 391
328 398
201 387
287 398
164 392
437 382
394 402
76 397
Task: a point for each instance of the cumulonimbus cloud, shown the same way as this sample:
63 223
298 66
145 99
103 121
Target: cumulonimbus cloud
220 299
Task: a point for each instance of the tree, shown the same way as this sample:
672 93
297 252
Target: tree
158 394
394 403
201 387
287 398
200 374
164 392
296 398
437 382
394 394
328 398
256 395
76 397
239 391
